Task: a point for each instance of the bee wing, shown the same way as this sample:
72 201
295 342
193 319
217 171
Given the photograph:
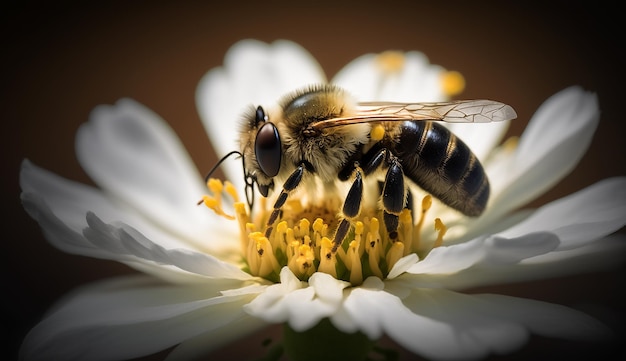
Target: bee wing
459 111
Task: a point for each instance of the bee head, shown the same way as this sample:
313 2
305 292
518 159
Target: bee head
262 150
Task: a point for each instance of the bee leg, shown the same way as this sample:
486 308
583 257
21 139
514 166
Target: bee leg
290 184
351 209
393 197
393 189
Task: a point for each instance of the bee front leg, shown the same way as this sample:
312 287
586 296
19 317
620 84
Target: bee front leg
290 184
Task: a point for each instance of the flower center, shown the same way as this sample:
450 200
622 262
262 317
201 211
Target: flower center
301 237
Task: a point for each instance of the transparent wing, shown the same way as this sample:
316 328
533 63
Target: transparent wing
460 111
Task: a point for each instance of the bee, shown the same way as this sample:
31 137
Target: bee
321 134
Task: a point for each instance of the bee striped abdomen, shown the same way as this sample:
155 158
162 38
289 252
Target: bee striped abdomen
443 165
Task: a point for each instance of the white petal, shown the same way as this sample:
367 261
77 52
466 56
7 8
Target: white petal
128 318
126 242
552 144
485 251
479 325
132 153
254 73
61 206
598 256
582 217
293 301
416 80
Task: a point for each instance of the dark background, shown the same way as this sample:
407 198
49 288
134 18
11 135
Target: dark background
60 61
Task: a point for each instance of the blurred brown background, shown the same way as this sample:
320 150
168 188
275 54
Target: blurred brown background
60 61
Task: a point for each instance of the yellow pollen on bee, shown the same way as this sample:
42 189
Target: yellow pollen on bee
452 83
302 242
377 133
391 61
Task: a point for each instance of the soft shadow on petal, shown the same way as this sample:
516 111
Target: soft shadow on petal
480 325
127 318
582 217
554 141
133 154
601 255
51 199
126 244
254 73
486 250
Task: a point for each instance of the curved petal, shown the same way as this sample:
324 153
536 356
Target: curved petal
131 153
485 251
601 255
60 206
552 144
293 301
392 76
57 202
582 217
254 73
127 244
128 318
479 325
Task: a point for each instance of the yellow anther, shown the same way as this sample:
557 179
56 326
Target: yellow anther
231 191
406 230
358 228
281 227
452 83
391 61
215 185
394 254
427 202
356 271
377 133
441 231
215 206
318 225
328 259
374 225
304 226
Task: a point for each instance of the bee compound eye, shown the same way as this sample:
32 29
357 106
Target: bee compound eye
268 150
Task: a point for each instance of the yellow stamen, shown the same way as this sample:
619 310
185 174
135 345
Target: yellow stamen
215 205
441 231
427 202
395 253
406 230
231 191
452 83
356 272
391 61
302 240
328 260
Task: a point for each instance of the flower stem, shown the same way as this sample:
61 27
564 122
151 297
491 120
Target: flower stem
325 342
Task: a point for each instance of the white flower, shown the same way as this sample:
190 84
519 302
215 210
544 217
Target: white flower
194 293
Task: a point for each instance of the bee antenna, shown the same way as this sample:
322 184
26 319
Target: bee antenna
206 179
